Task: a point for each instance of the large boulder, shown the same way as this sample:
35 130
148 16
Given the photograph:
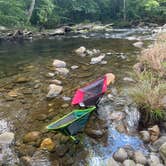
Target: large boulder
120 155
162 152
112 162
97 59
54 90
58 63
145 136
31 136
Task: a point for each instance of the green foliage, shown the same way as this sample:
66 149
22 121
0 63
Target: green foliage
49 13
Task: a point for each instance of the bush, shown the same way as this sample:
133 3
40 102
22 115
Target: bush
147 94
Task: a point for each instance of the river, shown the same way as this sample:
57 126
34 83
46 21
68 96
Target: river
29 110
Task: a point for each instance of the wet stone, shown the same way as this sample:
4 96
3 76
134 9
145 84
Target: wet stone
22 80
129 163
47 144
112 162
120 155
32 136
6 138
140 158
61 150
145 136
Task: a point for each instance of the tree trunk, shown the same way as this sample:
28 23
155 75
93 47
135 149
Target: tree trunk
124 10
31 10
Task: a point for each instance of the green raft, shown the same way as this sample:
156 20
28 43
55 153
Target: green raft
71 123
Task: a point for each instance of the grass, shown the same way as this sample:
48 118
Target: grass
155 57
147 94
150 88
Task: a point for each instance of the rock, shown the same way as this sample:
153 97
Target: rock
48 144
120 155
162 152
41 117
163 101
55 81
145 136
2 28
63 71
59 31
112 162
97 59
13 93
21 80
117 115
26 161
154 133
94 133
138 44
65 105
51 74
121 128
31 136
6 138
128 79
74 67
129 163
153 160
140 158
138 67
54 90
103 62
65 98
59 64
157 144
80 51
62 150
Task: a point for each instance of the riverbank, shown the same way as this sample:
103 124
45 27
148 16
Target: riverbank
69 30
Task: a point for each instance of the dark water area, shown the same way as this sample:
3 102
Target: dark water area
30 110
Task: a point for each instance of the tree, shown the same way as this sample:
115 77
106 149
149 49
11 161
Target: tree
31 10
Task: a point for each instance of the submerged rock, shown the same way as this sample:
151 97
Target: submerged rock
62 71
6 138
97 59
54 90
80 51
32 136
58 63
48 144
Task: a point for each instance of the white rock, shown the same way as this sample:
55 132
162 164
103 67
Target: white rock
138 44
80 50
54 90
139 158
129 163
97 59
6 138
103 62
51 74
59 64
112 162
63 71
120 155
74 67
154 160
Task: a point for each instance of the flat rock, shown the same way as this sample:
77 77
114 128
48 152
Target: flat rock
6 138
54 90
58 63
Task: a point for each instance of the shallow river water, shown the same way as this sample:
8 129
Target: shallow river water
30 111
